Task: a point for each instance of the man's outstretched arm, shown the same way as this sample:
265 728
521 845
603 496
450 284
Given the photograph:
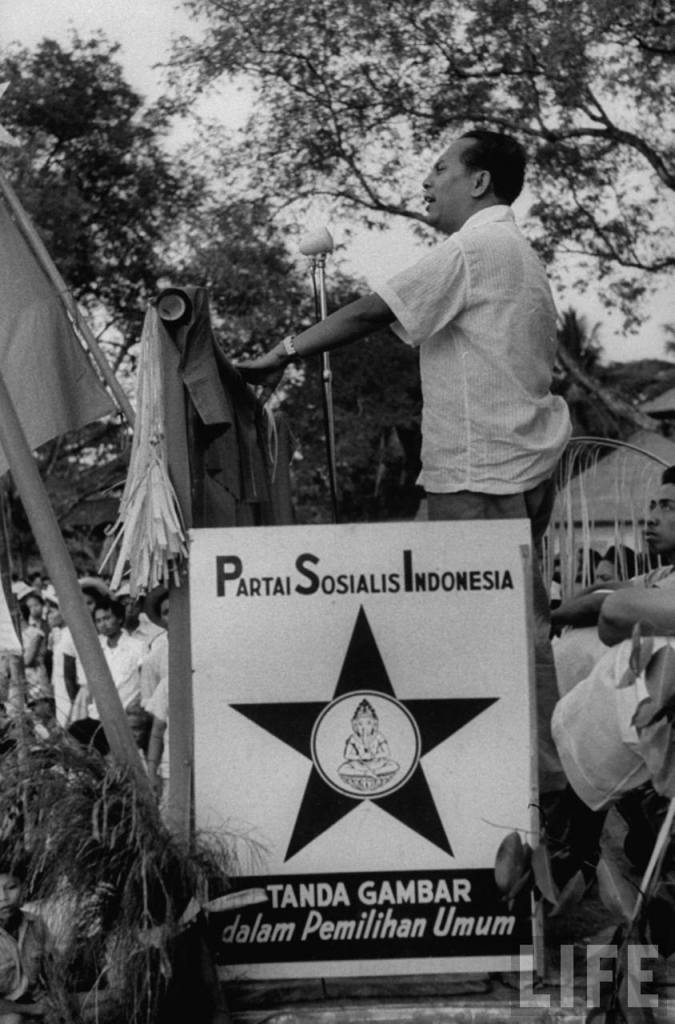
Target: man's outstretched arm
354 321
583 609
622 609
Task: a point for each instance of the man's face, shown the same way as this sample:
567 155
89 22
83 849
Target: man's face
449 189
660 528
54 617
107 622
34 607
10 896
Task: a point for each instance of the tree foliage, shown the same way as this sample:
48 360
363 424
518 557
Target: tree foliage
118 213
92 172
256 291
351 95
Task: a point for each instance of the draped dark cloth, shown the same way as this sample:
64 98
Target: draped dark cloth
217 432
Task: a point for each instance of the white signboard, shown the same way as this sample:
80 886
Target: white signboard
362 721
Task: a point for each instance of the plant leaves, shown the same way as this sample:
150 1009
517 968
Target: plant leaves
660 676
627 679
616 892
626 1008
543 875
235 900
642 647
571 893
660 913
526 878
509 862
644 713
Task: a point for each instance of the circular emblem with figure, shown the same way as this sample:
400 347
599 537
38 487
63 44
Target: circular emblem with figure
365 744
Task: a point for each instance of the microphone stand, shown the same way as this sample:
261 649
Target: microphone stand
321 312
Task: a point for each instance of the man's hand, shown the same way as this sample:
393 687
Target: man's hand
258 371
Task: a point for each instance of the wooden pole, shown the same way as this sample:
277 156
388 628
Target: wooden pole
61 570
327 388
181 728
80 325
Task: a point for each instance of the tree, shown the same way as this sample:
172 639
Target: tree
117 213
236 251
92 172
352 94
598 408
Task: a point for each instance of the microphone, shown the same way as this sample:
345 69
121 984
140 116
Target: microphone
174 306
316 243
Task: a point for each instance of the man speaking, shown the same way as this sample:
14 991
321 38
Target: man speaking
480 309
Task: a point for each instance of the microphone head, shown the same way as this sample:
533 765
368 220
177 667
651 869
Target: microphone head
316 242
174 306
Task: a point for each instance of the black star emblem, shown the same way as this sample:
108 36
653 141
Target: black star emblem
322 805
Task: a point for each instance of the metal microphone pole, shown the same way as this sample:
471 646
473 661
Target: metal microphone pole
317 246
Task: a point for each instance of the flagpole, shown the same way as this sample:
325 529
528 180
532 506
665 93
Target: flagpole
58 563
79 323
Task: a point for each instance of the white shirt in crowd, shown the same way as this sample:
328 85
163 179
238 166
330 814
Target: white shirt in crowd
124 661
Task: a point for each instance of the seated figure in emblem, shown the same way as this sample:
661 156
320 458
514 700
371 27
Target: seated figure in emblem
367 764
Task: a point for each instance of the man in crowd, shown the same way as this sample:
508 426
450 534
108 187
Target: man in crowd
124 655
641 597
480 309
603 768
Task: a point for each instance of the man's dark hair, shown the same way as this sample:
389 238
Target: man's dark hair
109 604
668 475
14 863
501 155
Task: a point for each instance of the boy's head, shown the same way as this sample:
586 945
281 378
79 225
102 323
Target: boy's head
42 707
93 590
109 617
32 606
12 878
54 617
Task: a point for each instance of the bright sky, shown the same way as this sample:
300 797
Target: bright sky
144 28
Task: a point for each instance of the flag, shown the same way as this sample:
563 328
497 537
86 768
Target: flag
50 380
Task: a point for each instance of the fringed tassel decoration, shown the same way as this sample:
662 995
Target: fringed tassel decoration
149 534
573 524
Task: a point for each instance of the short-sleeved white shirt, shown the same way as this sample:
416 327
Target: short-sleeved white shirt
124 661
480 308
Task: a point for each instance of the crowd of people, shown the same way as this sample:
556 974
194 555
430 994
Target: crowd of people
50 698
134 639
609 754
480 309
